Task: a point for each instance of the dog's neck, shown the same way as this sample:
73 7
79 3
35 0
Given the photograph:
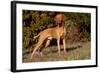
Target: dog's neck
60 25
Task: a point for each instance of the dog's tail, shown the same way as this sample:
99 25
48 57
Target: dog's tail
36 36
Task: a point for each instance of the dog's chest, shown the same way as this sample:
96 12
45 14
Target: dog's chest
55 33
60 31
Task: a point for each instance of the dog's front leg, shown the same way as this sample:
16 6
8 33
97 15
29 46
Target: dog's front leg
58 43
64 45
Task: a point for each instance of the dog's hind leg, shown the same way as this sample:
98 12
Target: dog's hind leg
37 46
47 43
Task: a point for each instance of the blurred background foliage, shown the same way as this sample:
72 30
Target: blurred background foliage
78 25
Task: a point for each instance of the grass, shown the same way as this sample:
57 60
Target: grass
74 51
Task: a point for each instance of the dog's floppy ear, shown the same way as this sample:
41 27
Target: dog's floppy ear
64 20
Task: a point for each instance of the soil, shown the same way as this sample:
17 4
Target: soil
74 51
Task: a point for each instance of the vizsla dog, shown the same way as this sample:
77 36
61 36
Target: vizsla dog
57 32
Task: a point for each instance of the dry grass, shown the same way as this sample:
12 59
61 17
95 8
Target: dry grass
75 51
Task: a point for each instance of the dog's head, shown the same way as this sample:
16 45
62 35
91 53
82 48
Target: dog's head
60 19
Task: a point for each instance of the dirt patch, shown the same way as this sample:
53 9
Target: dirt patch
75 51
